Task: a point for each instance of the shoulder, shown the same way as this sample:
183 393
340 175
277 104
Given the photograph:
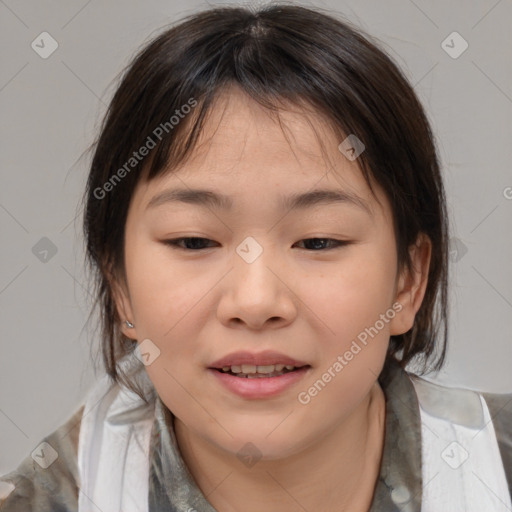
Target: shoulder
500 405
456 405
463 406
500 409
487 414
46 480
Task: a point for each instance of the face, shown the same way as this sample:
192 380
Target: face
315 282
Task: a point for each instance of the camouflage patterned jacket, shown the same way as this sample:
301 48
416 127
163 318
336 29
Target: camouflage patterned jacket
442 446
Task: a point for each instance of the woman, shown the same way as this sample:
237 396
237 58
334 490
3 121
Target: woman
266 218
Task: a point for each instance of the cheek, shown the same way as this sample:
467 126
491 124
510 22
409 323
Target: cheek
352 295
350 301
161 293
354 345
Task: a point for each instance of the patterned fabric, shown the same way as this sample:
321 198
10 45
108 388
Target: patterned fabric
54 489
171 487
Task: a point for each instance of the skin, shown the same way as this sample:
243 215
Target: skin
307 302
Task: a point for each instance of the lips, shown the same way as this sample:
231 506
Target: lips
265 358
258 387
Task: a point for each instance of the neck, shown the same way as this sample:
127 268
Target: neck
313 479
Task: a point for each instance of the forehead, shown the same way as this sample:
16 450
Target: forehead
245 149
238 129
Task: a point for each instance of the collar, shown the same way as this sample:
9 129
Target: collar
398 489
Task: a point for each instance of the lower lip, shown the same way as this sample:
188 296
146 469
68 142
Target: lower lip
261 387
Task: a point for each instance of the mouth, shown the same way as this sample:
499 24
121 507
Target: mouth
249 371
253 382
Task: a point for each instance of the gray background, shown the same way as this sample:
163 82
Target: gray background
51 109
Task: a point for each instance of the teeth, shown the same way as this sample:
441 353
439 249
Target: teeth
259 375
265 369
249 369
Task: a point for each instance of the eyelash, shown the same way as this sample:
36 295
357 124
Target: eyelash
174 243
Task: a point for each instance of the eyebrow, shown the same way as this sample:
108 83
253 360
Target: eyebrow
215 200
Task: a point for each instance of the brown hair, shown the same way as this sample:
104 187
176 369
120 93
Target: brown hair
277 53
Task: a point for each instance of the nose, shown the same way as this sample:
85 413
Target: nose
257 293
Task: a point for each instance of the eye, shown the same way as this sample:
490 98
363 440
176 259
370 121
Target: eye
193 241
197 243
318 243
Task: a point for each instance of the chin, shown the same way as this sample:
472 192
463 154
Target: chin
253 447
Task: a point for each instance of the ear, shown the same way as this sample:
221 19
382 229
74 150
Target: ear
123 306
411 285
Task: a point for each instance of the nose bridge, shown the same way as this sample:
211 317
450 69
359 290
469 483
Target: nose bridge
252 262
250 249
255 292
